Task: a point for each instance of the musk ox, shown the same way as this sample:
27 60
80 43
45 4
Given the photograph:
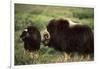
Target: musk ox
66 36
31 38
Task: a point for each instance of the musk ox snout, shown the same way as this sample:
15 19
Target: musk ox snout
25 34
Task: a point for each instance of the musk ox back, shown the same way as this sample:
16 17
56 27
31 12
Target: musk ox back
63 37
32 38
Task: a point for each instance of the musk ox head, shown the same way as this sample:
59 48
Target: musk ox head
56 25
25 34
31 38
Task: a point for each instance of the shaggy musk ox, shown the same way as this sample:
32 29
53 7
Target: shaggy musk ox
32 38
70 37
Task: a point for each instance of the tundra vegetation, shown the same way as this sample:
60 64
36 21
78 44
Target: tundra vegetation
39 16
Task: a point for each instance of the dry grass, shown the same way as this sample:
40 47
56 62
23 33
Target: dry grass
48 55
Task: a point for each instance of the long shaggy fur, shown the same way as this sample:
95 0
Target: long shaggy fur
63 37
32 38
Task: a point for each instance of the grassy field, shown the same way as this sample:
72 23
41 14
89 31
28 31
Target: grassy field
39 16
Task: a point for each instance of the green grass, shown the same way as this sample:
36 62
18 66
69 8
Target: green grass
39 16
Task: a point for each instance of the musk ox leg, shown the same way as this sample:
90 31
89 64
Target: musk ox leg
31 55
26 52
36 55
66 57
82 57
86 57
